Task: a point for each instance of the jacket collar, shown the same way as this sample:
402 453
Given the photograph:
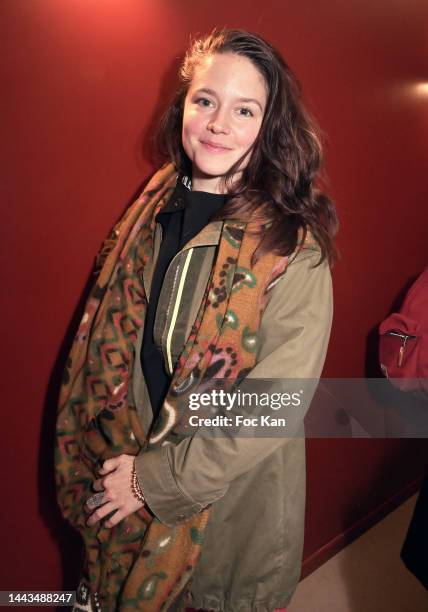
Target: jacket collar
208 236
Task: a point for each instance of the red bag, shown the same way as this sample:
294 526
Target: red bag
403 342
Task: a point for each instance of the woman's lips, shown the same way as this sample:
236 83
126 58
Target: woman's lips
214 148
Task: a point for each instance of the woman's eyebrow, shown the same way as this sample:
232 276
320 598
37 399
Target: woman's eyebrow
211 92
251 100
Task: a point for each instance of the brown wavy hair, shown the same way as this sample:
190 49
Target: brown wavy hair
278 181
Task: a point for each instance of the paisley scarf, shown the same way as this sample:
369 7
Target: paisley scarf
141 563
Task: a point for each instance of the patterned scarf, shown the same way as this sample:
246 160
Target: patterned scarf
142 564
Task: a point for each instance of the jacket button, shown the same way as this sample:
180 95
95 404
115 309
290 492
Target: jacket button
180 517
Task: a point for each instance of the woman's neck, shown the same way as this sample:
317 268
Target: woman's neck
210 184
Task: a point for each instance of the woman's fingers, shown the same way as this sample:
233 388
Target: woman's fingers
98 485
110 465
113 492
116 518
101 512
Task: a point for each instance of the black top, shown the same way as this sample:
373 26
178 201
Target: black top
185 215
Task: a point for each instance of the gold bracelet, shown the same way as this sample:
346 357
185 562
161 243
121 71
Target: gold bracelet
135 486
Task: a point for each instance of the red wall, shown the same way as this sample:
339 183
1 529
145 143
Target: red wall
81 83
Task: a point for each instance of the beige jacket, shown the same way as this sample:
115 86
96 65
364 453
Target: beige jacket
250 482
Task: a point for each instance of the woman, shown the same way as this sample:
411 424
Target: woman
219 271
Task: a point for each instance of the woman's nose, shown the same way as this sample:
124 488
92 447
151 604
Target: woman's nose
218 123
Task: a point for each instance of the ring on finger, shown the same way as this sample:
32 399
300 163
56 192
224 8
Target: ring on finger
96 500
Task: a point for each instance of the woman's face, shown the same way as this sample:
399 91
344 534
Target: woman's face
223 112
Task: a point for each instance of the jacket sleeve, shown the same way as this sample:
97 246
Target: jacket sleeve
180 480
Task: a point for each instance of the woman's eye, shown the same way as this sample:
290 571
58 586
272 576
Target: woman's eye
203 102
246 112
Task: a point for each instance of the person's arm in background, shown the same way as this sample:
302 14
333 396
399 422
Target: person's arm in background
180 480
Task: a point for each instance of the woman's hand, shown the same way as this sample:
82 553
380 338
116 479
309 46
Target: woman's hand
116 492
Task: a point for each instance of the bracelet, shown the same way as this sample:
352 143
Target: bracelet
135 486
